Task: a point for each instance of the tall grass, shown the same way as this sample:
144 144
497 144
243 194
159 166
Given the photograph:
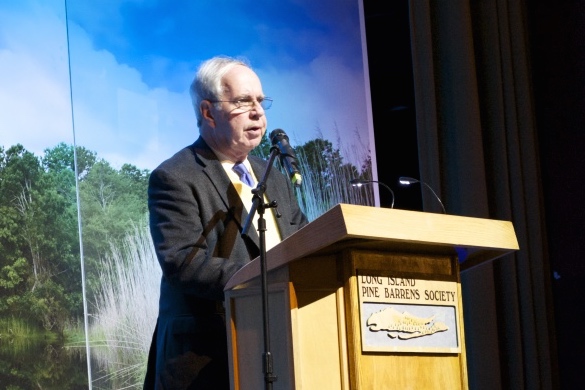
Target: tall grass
17 335
12 328
328 183
125 308
124 311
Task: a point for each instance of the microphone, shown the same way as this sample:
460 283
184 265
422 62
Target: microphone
288 158
406 181
359 183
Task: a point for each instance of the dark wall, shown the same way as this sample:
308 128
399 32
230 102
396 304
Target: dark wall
556 32
557 36
392 93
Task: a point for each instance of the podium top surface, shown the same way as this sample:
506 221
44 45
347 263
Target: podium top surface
474 240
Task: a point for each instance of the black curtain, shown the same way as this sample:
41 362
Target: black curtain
478 148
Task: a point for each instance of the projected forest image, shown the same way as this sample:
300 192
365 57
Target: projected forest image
94 99
41 288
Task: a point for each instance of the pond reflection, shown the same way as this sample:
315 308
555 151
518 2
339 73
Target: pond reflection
41 365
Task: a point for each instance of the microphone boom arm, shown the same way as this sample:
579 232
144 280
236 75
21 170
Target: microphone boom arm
359 183
406 181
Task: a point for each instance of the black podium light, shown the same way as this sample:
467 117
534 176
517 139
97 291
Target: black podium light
407 181
359 183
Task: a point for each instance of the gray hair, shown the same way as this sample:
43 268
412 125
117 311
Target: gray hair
207 82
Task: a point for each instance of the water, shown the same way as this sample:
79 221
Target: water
42 365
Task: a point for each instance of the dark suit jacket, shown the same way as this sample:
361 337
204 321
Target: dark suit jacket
196 219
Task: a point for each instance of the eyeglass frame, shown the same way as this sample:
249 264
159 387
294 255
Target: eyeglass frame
238 102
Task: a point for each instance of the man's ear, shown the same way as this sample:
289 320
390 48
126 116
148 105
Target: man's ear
206 114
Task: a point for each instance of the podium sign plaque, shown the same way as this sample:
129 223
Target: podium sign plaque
403 314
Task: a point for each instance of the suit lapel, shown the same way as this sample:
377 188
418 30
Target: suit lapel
221 183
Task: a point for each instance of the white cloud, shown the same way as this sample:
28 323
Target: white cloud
324 98
115 113
34 97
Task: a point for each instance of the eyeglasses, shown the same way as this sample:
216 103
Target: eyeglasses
247 103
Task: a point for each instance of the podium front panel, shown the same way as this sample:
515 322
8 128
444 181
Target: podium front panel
404 370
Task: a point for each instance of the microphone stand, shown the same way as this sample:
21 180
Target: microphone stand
258 204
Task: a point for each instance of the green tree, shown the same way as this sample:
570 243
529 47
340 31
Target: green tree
326 177
38 240
59 166
136 183
18 171
112 203
61 158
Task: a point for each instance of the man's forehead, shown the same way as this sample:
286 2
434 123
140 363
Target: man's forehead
241 80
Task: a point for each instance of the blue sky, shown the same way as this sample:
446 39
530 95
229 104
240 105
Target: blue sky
133 60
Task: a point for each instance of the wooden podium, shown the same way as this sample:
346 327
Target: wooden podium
362 298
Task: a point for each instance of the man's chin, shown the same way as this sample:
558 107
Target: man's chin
256 139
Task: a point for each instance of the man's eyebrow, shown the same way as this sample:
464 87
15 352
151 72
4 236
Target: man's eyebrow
248 96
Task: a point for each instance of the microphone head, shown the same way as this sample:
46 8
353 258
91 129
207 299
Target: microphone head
276 134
